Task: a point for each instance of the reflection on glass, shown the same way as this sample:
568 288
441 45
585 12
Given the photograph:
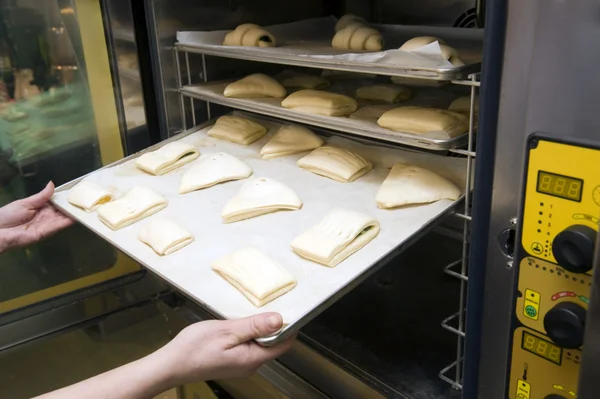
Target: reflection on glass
47 132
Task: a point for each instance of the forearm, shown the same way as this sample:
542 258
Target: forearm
142 379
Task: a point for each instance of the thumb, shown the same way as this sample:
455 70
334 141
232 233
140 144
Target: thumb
40 199
255 326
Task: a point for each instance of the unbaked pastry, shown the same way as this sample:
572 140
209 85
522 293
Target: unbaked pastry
88 196
257 85
462 105
419 120
419 41
237 130
167 158
137 204
335 163
213 169
451 55
387 93
409 184
289 140
371 112
337 236
164 236
260 196
306 81
348 19
320 102
249 35
358 37
259 278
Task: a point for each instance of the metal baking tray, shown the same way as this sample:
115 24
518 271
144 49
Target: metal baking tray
307 43
213 92
188 270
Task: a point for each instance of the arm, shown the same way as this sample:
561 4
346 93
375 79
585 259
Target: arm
203 351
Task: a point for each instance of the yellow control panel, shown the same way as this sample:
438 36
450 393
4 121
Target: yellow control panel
558 228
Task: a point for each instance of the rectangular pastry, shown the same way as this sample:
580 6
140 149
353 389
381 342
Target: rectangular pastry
237 130
88 196
255 275
137 204
320 102
335 163
337 236
164 236
167 158
418 120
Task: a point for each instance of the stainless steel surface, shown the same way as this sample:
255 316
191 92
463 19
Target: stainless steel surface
420 73
545 40
589 383
344 125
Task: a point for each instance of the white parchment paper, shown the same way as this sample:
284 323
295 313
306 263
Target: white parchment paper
189 268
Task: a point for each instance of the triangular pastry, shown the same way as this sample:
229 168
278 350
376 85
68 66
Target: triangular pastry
320 102
237 130
137 204
337 236
88 196
257 85
213 169
164 236
290 139
335 163
259 278
418 120
260 196
409 184
386 93
306 81
167 158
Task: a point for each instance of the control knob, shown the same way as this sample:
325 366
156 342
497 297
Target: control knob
565 325
573 248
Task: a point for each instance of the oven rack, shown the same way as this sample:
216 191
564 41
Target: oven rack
452 373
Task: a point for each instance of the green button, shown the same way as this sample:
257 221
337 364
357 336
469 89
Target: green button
584 299
530 311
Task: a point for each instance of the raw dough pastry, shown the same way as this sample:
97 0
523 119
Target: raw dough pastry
409 184
257 85
462 105
167 158
358 37
451 55
290 139
306 81
387 93
164 236
212 170
340 234
249 35
237 130
260 196
88 196
335 163
371 112
419 120
347 20
137 204
420 41
320 102
260 278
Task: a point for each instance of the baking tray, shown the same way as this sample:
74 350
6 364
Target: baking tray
307 43
213 92
188 270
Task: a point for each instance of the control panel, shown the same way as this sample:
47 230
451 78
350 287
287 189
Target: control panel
559 221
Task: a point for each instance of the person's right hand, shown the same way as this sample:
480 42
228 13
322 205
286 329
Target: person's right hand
221 349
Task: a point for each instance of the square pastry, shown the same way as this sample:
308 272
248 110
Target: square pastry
237 130
88 196
137 204
167 158
164 236
335 163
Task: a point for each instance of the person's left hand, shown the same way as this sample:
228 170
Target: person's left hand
30 219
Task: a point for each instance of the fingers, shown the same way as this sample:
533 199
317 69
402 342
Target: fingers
254 327
40 199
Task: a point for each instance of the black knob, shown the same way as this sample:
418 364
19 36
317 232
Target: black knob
573 248
554 396
565 324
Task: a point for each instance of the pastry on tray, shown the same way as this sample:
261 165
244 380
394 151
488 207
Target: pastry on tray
358 37
137 204
289 140
167 158
257 85
237 130
320 102
249 35
88 196
164 236
335 163
213 169
419 120
337 236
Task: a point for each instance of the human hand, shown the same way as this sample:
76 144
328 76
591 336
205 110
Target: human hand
221 349
30 219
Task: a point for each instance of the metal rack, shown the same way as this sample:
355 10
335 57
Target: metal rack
458 269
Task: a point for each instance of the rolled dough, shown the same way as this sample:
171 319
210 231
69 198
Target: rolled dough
137 204
237 130
358 37
409 184
419 41
167 158
164 236
320 102
249 35
88 196
257 85
290 139
335 163
337 236
419 120
260 196
259 278
213 169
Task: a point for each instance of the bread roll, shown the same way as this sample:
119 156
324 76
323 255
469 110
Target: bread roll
249 35
358 37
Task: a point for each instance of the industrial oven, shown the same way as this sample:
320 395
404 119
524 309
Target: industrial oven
494 298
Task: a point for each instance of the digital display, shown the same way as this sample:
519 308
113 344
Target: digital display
569 188
542 348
